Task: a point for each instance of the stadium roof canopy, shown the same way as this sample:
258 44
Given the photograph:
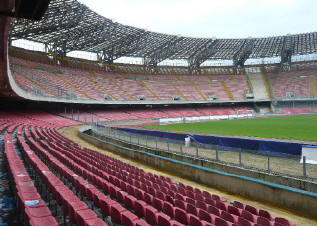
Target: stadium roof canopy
69 26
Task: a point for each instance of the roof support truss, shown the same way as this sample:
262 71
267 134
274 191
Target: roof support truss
163 52
202 54
287 52
68 25
243 54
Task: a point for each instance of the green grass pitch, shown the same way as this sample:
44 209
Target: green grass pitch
299 127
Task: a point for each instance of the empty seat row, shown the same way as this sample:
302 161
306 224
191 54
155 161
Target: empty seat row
224 207
29 201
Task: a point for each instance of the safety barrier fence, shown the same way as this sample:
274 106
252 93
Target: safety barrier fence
285 164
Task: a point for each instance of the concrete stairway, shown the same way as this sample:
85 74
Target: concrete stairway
258 86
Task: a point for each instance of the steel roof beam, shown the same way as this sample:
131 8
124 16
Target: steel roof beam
163 52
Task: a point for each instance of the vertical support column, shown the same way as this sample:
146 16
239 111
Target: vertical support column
304 166
268 161
240 158
4 31
156 143
197 149
146 141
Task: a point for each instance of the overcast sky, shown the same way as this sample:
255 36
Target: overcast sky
213 18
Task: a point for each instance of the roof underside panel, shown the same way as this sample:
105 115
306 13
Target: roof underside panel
305 44
267 47
70 25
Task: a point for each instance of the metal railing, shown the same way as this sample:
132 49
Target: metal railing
286 164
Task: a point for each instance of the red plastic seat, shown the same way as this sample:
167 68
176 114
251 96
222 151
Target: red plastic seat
205 223
238 204
105 187
72 206
194 221
123 185
168 209
97 196
234 210
214 210
284 221
264 221
148 198
128 218
244 222
95 222
276 224
141 223
152 191
181 216
113 191
90 193
191 209
163 220
160 195
210 202
229 217
252 209
206 194
199 197
182 191
139 208
191 201
45 221
116 212
83 215
180 204
121 196
204 215
37 212
201 205
158 204
266 214
139 194
24 189
189 188
179 197
221 222
175 223
129 201
169 199
249 216
221 205
151 215
22 197
174 188
218 198
190 194
105 206
130 190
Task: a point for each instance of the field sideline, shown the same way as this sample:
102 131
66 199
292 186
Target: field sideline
294 127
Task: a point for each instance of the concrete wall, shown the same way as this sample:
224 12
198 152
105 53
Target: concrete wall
287 197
